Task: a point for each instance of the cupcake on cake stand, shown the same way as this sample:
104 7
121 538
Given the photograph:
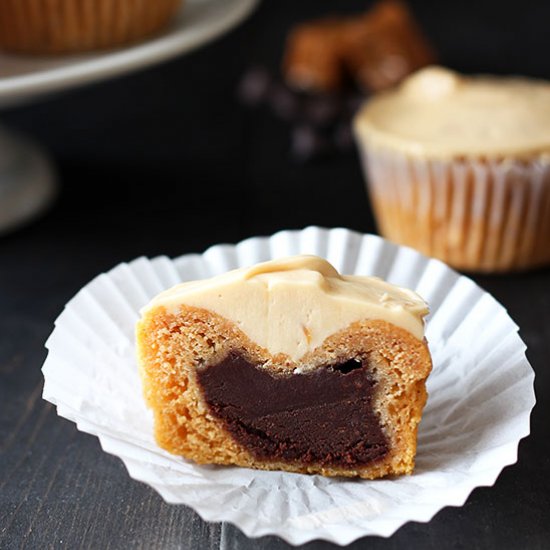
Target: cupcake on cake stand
27 176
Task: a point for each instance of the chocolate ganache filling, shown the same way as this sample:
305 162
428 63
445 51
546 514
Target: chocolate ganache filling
321 417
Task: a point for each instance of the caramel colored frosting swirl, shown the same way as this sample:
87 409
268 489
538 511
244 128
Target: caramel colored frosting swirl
439 113
293 304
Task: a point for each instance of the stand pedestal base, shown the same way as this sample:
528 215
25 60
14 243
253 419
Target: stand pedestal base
27 181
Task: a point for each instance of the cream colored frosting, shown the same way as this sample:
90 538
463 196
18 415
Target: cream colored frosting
437 112
291 305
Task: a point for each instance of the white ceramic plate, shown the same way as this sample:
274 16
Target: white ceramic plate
24 77
480 393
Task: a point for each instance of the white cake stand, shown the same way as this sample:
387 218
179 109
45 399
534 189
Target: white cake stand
27 181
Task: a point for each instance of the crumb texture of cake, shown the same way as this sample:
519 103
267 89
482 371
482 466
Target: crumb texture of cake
287 365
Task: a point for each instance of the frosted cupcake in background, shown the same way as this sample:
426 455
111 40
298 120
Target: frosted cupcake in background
69 26
459 168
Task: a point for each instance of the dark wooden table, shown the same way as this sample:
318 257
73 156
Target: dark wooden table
167 162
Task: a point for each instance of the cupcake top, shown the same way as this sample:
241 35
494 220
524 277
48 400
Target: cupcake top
292 304
439 113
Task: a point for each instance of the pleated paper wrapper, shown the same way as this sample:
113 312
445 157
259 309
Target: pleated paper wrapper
475 214
480 393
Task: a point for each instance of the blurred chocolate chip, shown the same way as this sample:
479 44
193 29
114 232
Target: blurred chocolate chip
307 143
343 136
284 102
354 103
322 110
254 86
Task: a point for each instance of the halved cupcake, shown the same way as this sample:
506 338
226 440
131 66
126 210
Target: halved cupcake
287 365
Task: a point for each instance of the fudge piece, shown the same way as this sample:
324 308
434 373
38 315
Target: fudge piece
384 46
312 60
287 365
377 49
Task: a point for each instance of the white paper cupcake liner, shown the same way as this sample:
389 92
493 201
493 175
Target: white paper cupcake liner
475 214
480 393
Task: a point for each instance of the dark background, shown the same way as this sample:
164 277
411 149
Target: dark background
166 161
